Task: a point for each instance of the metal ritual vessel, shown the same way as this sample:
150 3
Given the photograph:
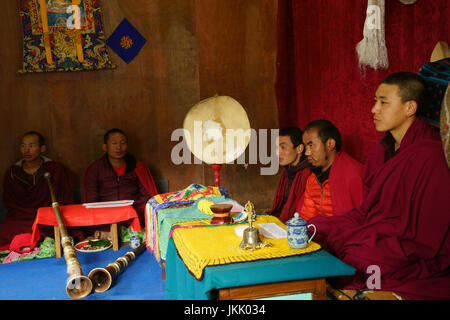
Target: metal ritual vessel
250 238
221 213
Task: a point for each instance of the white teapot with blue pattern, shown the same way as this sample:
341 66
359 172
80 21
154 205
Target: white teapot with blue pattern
297 232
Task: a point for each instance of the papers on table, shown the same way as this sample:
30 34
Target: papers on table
109 204
275 230
269 230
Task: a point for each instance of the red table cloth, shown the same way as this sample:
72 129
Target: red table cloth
78 215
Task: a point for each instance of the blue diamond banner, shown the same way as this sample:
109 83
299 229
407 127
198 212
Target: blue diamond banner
126 41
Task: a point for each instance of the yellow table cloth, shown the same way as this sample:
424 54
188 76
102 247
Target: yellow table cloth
201 246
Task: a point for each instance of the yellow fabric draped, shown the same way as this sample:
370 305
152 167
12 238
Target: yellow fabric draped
46 31
200 247
78 38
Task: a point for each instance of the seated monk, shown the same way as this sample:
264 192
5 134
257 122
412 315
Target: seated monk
401 228
293 177
334 185
25 189
117 175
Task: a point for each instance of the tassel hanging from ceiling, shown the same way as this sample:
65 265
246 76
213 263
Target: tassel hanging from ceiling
372 51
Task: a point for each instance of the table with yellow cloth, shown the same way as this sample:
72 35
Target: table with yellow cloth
205 245
202 260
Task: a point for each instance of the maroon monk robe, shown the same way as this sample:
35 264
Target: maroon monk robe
101 183
345 183
287 201
23 194
403 222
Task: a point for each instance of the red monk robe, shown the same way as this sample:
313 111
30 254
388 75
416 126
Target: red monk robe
24 193
101 183
287 200
403 222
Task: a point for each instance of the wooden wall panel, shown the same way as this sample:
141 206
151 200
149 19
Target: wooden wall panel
237 41
194 49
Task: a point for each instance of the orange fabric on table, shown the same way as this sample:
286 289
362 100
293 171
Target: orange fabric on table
78 215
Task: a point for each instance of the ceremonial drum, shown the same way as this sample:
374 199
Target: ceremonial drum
217 130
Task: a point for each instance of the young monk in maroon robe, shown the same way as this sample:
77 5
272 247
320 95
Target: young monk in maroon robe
25 189
294 175
118 175
398 239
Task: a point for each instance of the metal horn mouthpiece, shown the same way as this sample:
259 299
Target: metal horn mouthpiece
78 287
102 278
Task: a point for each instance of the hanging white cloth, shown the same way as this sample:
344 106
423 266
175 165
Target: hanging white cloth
408 1
372 51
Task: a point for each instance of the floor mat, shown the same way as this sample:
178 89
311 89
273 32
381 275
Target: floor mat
45 279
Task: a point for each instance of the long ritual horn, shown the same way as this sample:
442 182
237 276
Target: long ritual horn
102 278
78 286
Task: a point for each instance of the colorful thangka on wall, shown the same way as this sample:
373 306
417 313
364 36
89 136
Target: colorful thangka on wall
63 35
